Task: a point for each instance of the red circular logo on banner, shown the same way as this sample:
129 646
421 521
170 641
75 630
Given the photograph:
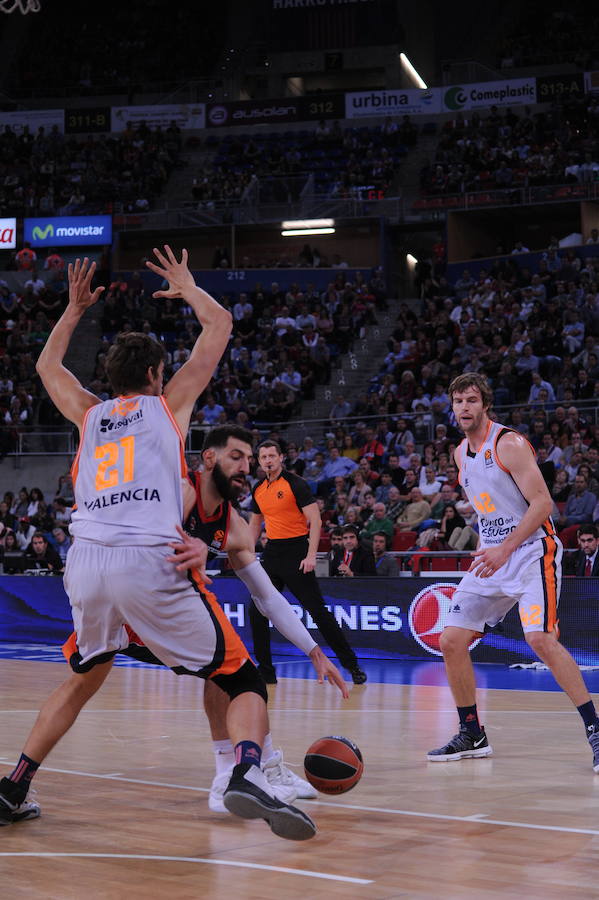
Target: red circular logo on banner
428 613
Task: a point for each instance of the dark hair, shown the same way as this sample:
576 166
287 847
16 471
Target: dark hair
39 534
588 529
380 534
269 443
469 380
128 360
349 529
336 532
218 437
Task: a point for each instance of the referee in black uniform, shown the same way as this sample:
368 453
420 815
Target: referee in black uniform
292 521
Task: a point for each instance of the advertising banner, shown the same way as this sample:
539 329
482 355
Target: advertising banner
34 119
384 618
413 102
8 234
591 81
186 116
68 231
513 92
253 112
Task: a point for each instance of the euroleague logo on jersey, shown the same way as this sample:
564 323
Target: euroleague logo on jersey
428 614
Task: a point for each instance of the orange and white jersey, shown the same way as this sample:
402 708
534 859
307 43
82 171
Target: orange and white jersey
492 491
127 473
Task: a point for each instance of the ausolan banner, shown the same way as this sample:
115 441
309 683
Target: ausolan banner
253 112
384 618
68 231
186 116
8 234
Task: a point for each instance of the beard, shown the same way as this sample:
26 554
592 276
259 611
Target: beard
226 488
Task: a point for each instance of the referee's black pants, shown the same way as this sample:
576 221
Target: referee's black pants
280 560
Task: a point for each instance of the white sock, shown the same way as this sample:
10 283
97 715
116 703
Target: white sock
224 756
268 750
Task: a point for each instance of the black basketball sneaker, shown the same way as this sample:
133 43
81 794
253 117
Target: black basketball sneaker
250 796
463 745
13 806
593 736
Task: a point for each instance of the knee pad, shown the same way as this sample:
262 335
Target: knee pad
246 679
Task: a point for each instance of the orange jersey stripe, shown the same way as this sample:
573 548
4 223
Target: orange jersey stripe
70 646
75 466
178 430
550 583
235 652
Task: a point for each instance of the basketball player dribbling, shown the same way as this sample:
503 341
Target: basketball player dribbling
128 511
518 561
212 521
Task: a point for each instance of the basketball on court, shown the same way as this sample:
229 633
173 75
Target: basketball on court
333 764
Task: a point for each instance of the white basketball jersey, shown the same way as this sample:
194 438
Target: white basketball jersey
492 491
127 473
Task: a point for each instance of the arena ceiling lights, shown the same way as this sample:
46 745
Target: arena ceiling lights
411 72
296 227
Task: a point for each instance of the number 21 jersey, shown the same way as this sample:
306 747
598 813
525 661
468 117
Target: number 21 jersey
127 473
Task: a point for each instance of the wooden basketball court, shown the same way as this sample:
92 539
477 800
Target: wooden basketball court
125 814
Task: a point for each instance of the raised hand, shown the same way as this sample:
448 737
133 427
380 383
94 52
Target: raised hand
80 279
180 279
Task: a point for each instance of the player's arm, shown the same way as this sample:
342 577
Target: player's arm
66 392
518 458
271 603
190 380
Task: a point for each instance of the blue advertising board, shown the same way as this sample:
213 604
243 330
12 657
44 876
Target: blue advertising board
68 231
384 618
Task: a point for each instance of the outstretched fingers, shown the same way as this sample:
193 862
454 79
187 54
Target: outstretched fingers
335 677
160 257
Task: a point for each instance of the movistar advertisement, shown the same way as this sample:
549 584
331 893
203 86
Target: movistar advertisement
384 618
68 231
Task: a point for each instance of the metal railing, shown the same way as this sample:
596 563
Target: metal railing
516 195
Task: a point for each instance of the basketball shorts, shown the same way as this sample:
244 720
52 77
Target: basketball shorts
176 618
531 578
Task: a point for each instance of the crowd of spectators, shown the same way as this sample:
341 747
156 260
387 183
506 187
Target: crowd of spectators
516 149
27 315
49 173
543 36
284 342
34 534
345 163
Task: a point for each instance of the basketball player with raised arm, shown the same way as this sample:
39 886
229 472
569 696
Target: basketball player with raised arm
518 561
128 512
